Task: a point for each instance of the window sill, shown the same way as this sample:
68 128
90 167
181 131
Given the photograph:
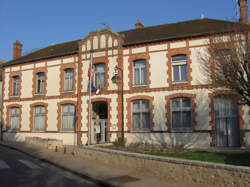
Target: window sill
15 96
140 86
141 131
13 130
67 131
181 130
38 131
179 82
67 91
39 94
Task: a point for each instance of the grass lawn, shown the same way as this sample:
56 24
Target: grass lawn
241 159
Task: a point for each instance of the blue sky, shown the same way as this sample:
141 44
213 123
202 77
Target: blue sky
39 23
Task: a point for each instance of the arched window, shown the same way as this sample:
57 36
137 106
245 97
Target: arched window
140 115
16 85
14 118
140 73
181 110
68 117
179 68
100 75
39 118
40 82
68 79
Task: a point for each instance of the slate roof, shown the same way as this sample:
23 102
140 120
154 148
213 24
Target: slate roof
172 31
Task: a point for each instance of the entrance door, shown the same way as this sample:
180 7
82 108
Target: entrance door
99 122
100 130
226 119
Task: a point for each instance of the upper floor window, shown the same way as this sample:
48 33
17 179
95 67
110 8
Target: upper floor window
181 113
14 118
222 55
223 52
100 76
16 85
179 64
141 115
140 77
40 82
39 118
68 117
68 79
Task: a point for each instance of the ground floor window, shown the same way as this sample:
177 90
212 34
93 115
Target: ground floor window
68 117
14 118
181 114
141 115
39 118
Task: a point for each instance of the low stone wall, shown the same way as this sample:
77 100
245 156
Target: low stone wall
46 143
171 169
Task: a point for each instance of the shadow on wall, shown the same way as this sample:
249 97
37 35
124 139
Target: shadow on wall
199 137
13 136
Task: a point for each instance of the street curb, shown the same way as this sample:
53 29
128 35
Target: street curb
86 176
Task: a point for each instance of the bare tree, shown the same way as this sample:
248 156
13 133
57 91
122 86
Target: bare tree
227 63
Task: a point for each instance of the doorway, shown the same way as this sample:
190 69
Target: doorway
226 122
99 121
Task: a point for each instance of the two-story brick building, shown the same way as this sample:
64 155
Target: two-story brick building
165 97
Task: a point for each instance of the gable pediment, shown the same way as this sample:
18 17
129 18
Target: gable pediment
100 40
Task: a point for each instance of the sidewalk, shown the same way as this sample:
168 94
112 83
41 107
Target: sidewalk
104 175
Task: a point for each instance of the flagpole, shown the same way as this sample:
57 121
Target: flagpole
90 89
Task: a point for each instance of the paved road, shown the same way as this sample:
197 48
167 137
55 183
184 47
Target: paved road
20 170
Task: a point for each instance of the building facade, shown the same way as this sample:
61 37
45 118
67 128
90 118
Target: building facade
165 97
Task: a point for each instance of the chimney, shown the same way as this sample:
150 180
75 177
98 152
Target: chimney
243 11
17 49
138 24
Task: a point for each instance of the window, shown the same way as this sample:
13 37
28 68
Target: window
14 118
141 115
68 117
100 76
140 72
16 85
223 52
39 118
181 114
68 79
223 55
40 82
179 63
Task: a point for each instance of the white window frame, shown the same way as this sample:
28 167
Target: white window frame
68 79
179 64
140 65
